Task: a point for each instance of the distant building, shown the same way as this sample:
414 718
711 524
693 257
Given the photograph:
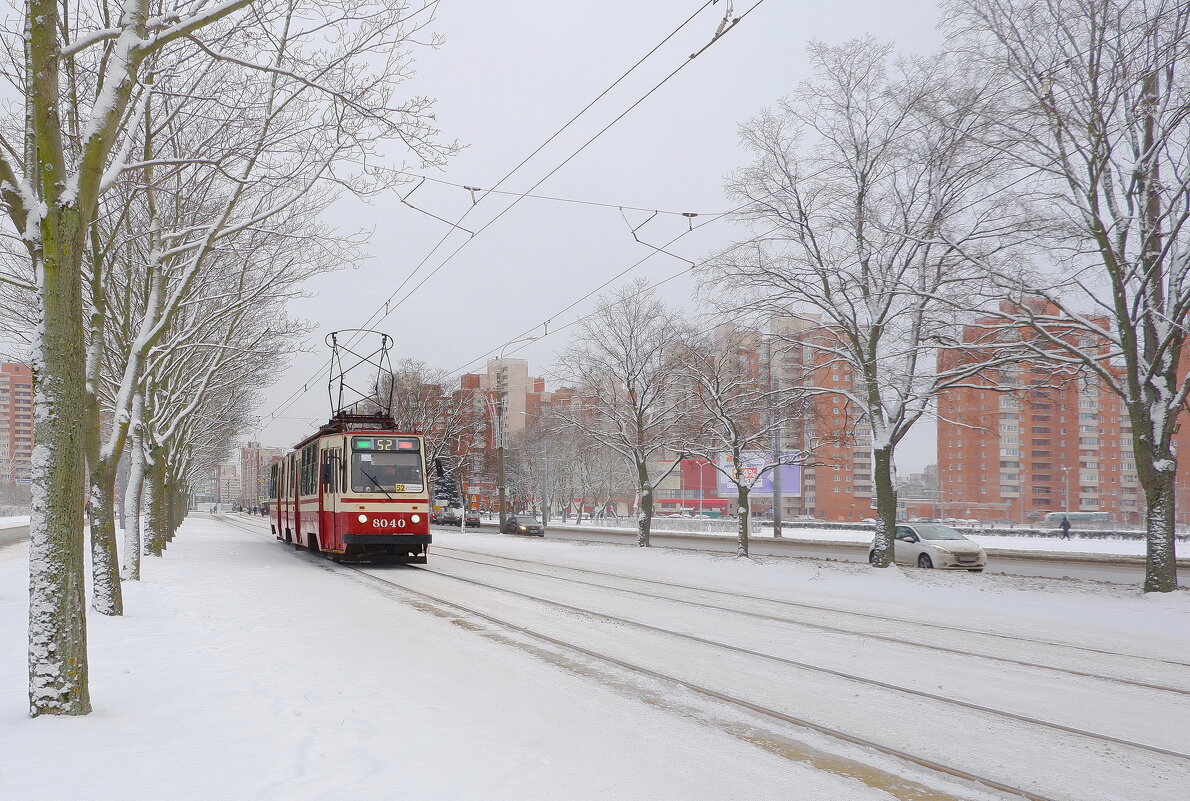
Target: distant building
254 473
917 494
16 422
227 483
506 384
1017 443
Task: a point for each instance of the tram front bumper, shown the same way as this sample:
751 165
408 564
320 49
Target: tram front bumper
387 539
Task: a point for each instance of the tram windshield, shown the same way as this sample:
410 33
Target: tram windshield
386 472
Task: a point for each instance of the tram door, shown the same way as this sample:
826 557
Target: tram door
331 460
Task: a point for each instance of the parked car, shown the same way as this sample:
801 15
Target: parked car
449 517
524 524
936 545
471 520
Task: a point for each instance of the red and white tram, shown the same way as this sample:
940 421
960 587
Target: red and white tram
356 490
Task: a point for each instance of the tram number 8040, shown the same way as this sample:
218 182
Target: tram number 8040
381 523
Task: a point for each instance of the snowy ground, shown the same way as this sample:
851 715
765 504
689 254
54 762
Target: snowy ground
245 671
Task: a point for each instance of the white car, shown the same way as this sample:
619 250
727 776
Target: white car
936 545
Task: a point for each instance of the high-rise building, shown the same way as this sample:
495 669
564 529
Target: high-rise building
835 481
521 393
16 422
1017 443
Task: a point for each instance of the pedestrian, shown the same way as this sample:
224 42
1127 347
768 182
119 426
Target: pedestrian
1065 526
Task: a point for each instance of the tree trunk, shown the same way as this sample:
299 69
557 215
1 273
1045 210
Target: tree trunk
645 506
1161 573
745 519
58 674
156 516
886 507
105 568
132 508
167 534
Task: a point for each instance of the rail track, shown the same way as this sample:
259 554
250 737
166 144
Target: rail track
907 789
818 626
836 610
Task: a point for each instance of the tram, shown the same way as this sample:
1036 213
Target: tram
357 490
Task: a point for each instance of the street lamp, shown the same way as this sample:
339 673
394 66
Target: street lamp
501 490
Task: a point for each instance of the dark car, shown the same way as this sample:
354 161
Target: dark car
471 520
524 524
449 518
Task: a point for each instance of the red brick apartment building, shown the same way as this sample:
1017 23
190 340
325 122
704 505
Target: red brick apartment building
1037 443
16 422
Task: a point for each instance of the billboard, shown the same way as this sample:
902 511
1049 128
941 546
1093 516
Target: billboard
752 464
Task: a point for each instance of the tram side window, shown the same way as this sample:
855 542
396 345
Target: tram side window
310 469
272 488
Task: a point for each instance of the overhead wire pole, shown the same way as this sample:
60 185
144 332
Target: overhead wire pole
388 308
295 395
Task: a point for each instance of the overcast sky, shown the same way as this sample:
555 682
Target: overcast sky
508 76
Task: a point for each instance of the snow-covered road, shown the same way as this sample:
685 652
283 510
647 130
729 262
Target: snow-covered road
302 680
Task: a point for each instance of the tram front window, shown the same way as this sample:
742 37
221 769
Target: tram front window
386 472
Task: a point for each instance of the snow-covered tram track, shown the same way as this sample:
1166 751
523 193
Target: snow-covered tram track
1015 638
795 621
898 786
859 679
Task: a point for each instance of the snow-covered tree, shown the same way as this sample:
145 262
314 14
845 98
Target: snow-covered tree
623 365
54 167
737 410
874 188
1094 98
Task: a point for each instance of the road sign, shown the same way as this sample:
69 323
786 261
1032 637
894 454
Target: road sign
24 481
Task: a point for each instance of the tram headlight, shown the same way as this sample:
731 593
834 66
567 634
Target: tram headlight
362 518
416 518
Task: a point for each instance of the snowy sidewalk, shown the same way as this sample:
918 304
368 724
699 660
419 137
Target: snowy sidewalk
245 671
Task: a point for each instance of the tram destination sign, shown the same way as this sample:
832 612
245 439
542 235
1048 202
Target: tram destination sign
383 444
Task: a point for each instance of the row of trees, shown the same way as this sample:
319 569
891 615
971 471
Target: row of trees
1034 176
1042 156
162 182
